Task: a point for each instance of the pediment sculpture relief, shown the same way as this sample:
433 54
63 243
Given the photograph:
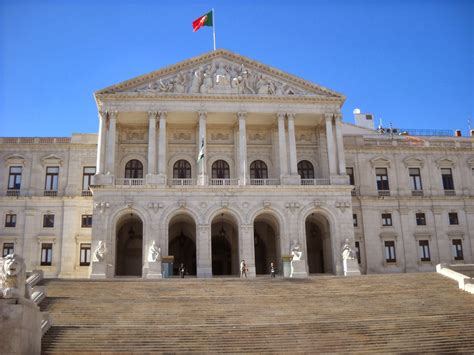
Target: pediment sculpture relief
222 77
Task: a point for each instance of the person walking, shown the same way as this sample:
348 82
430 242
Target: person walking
272 270
243 269
182 270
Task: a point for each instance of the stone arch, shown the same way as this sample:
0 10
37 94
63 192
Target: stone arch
227 158
182 156
217 210
258 210
267 160
131 156
181 232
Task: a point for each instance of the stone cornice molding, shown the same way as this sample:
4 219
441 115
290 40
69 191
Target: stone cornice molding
470 162
51 159
445 163
422 235
413 162
380 162
388 235
16 159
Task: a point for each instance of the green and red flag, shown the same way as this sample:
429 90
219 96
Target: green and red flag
204 20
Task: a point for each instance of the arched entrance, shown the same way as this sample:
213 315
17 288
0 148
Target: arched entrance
225 245
266 236
318 244
182 243
129 246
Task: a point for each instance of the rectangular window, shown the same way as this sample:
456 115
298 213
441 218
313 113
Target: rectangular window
10 220
85 255
382 179
447 176
86 221
8 248
357 246
390 256
87 174
420 219
453 218
52 176
415 179
354 219
350 172
48 221
424 247
457 249
386 219
14 178
46 254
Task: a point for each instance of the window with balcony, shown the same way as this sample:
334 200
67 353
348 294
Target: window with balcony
51 181
8 248
453 218
390 256
447 177
86 221
220 170
48 221
14 180
258 170
46 254
420 219
87 173
85 254
182 170
382 179
306 169
10 220
415 179
134 169
457 249
386 219
424 249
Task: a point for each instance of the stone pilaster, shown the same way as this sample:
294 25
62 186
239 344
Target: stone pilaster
203 251
112 128
242 148
292 144
247 248
202 140
152 142
330 145
282 146
162 161
340 146
101 143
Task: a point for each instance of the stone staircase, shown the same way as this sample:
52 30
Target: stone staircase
376 313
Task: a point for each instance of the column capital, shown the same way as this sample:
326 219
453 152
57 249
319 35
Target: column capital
113 115
329 115
291 116
281 115
202 115
152 114
102 115
242 115
162 115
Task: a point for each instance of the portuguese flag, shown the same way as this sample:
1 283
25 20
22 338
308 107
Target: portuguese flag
205 20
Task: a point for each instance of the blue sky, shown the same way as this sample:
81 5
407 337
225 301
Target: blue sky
410 62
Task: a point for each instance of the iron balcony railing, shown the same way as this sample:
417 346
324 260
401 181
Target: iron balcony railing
449 192
50 193
86 193
13 192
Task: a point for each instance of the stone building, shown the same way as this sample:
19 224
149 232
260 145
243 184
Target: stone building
276 164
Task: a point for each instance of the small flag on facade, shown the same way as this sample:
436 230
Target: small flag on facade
201 152
205 20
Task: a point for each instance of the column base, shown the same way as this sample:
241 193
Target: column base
99 270
204 272
290 180
104 179
202 180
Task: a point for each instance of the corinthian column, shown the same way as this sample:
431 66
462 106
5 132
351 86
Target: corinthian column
282 145
162 147
330 145
292 144
110 166
340 146
152 142
202 164
242 148
101 142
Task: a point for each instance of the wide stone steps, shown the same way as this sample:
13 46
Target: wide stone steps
376 313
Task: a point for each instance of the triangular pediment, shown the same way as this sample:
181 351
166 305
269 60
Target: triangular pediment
219 72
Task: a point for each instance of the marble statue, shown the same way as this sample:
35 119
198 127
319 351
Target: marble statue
297 265
222 76
99 253
154 253
295 250
207 82
180 83
196 82
12 277
347 252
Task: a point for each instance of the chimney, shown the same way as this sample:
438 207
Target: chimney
457 133
365 120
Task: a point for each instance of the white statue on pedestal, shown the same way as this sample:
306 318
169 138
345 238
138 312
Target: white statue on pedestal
297 254
99 253
12 277
154 253
347 254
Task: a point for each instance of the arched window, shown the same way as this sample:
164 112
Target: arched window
305 169
258 170
134 169
220 170
182 170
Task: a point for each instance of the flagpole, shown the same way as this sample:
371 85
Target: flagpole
214 27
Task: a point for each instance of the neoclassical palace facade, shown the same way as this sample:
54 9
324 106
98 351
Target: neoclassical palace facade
220 158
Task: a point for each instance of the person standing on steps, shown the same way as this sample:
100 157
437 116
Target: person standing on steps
243 269
182 270
272 270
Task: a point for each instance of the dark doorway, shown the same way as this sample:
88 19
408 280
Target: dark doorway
182 245
129 256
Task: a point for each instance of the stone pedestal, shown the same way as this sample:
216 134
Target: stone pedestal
298 269
20 327
202 180
104 179
339 179
290 180
152 179
154 270
99 270
286 260
351 267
